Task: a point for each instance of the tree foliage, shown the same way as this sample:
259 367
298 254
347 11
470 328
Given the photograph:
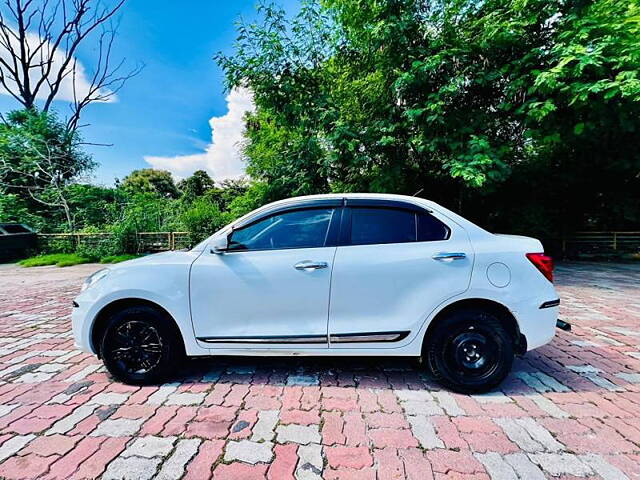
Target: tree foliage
523 114
150 180
196 185
39 158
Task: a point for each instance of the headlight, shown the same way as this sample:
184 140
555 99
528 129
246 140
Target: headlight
93 278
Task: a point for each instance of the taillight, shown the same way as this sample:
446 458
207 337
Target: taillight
542 262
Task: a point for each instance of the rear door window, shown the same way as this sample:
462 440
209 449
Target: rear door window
371 226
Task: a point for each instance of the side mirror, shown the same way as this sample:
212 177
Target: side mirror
219 244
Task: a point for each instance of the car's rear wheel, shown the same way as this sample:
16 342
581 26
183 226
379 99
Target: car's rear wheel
140 347
470 351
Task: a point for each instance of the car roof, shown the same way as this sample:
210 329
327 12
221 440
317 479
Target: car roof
422 202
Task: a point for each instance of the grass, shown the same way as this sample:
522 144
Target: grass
118 258
69 259
58 259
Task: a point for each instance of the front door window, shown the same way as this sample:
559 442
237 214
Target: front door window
296 229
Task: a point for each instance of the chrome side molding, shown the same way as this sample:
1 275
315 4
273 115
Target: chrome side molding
365 337
368 337
267 339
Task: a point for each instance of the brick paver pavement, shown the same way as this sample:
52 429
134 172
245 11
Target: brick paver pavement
570 409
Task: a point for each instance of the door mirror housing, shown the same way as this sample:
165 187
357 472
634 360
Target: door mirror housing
219 244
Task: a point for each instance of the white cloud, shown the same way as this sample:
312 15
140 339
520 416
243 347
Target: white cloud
80 79
222 158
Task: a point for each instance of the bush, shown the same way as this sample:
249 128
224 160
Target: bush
64 244
202 218
97 245
118 258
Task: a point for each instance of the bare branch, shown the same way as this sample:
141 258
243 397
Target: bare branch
38 44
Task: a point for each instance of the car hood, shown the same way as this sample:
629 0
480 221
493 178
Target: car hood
172 257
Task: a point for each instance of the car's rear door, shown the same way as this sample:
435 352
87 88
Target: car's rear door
272 286
395 263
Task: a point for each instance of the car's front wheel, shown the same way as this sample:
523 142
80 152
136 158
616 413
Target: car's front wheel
139 346
470 351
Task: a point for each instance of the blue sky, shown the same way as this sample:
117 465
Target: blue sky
165 111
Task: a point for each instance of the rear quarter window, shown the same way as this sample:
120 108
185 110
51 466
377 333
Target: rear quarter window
430 229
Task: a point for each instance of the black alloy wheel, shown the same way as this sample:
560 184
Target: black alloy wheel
136 347
140 346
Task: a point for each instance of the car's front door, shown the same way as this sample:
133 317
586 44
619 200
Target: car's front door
272 284
394 265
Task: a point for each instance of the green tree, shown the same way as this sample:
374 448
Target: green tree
505 109
196 185
150 180
282 63
94 206
39 158
227 191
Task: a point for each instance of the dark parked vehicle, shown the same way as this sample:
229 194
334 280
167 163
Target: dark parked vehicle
16 240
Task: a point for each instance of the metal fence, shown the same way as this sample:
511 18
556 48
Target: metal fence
161 241
600 244
141 242
573 246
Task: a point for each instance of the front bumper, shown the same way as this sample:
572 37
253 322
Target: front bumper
79 325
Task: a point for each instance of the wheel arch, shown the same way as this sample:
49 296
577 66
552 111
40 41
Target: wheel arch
505 316
115 306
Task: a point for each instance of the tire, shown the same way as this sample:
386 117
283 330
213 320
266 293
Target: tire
470 351
122 350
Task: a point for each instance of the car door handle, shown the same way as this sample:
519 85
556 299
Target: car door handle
449 256
309 265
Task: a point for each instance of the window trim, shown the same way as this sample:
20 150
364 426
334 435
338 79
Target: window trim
331 237
383 203
339 232
345 225
290 206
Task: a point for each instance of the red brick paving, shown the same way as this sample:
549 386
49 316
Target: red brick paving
569 410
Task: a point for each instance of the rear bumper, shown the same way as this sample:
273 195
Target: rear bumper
538 325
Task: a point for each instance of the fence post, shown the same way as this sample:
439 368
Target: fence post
615 241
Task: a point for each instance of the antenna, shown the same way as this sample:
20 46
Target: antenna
418 192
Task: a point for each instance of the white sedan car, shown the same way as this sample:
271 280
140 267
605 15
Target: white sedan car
340 275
